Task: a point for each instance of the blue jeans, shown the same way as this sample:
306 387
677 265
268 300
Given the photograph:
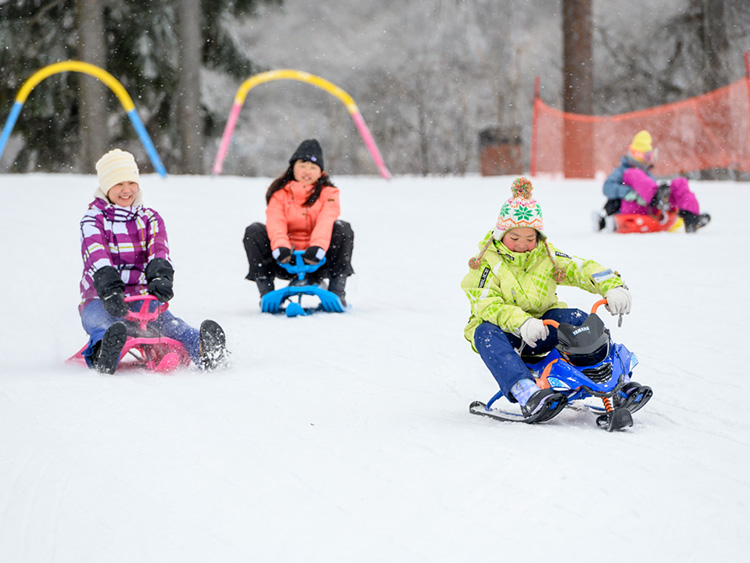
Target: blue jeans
497 348
96 321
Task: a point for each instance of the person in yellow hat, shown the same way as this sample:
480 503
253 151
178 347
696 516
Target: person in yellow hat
631 188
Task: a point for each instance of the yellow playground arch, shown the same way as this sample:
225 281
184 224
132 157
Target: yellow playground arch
289 74
96 72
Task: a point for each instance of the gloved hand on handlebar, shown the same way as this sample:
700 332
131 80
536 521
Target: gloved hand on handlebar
533 330
111 290
159 277
313 255
282 254
619 301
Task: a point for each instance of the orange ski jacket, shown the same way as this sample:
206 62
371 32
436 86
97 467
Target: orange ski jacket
291 224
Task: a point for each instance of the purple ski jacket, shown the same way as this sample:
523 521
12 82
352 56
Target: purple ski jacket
126 238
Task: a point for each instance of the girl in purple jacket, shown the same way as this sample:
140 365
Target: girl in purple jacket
126 253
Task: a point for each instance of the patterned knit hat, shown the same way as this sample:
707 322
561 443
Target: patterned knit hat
114 167
520 210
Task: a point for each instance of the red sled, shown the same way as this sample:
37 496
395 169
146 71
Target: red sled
145 348
637 223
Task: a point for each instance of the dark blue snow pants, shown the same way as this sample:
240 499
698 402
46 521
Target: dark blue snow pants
497 348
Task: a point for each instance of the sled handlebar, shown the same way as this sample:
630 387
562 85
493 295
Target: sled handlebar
598 304
594 307
142 315
299 267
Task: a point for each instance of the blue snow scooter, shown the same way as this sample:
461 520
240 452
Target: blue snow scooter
273 301
585 366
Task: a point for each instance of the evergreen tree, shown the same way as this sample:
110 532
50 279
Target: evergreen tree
143 47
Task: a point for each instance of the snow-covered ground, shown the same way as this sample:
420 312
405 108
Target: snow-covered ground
347 437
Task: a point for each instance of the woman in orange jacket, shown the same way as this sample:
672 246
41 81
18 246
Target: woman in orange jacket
302 213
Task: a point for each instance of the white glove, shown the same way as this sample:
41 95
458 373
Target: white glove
619 301
533 330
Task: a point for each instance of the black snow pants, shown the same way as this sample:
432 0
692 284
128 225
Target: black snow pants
262 264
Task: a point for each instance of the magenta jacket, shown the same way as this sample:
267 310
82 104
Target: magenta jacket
126 238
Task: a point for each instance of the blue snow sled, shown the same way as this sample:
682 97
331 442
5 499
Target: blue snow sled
273 301
589 370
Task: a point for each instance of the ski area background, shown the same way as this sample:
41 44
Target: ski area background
347 437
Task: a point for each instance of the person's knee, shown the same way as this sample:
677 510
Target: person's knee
252 232
679 183
343 228
484 334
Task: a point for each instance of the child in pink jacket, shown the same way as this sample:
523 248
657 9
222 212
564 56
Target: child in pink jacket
631 188
302 213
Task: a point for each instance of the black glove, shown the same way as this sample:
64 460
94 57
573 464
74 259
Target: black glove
283 255
111 290
311 255
159 276
661 198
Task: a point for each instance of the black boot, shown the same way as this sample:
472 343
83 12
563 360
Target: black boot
694 222
213 345
543 405
265 285
337 285
110 348
598 219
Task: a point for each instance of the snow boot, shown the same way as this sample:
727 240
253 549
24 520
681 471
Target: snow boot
537 405
213 345
543 405
110 348
265 285
337 285
633 396
694 222
603 222
598 220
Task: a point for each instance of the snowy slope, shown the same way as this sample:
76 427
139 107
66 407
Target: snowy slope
347 437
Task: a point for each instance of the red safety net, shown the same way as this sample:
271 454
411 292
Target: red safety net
706 132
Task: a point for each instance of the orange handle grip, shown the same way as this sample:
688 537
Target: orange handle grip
598 304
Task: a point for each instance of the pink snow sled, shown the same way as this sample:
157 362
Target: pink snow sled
639 223
145 347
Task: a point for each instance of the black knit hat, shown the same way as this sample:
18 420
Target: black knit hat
309 151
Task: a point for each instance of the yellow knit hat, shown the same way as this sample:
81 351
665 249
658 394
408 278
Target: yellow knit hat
640 148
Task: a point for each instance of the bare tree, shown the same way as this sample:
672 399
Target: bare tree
188 107
92 110
578 85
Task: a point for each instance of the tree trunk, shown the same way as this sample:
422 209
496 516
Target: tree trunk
715 45
93 99
578 84
190 124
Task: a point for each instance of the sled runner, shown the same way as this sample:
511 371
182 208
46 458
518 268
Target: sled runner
585 368
145 347
289 299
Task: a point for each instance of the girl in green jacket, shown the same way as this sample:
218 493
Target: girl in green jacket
512 287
